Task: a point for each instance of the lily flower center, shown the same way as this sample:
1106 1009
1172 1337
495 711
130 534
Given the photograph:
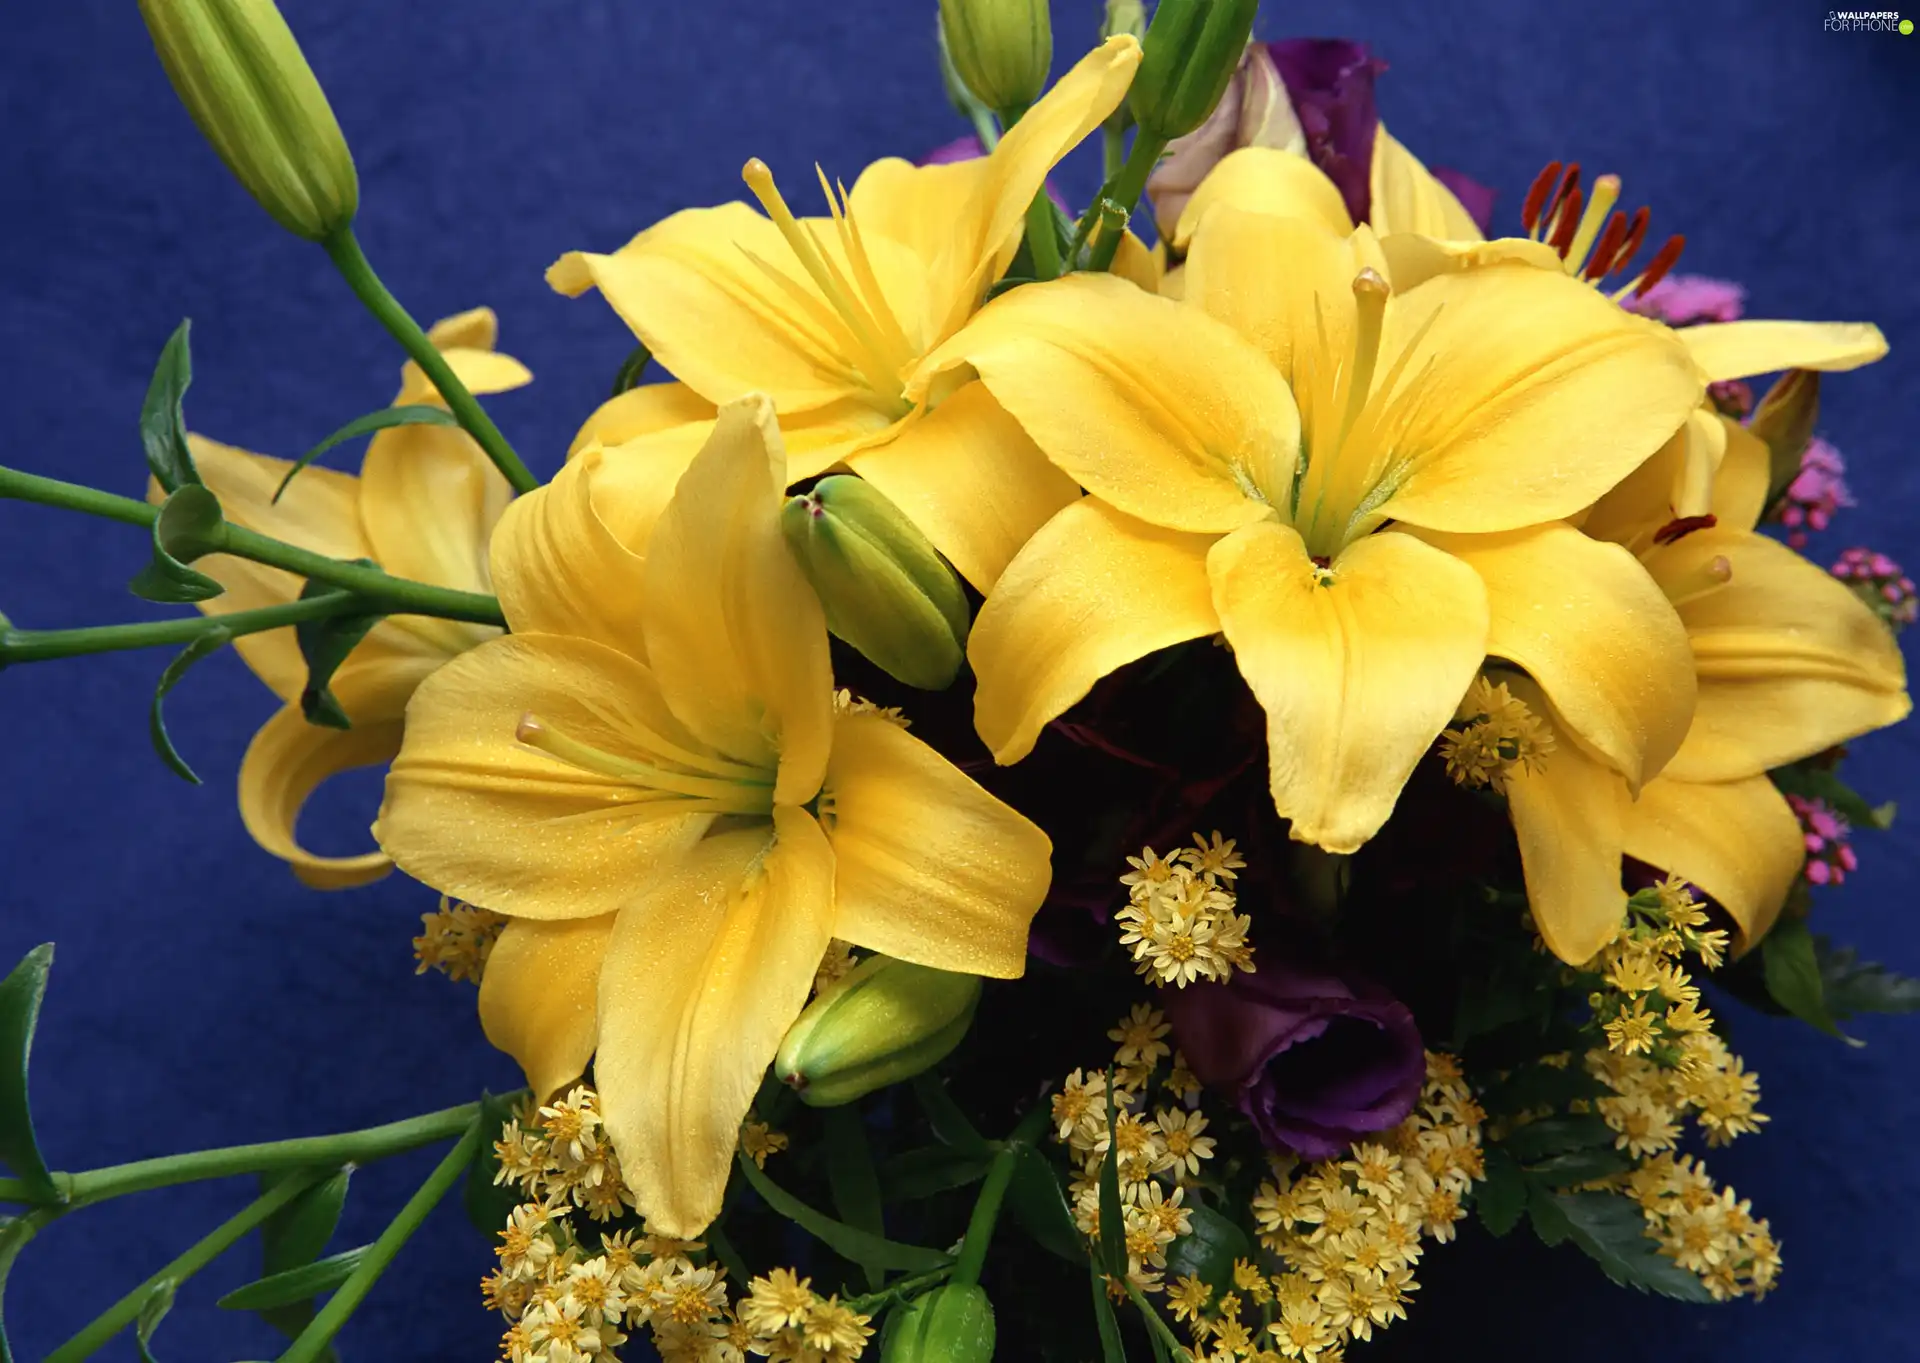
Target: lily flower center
856 312
1592 238
676 781
1697 582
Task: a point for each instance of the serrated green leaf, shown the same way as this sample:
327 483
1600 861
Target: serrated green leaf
152 1312
1533 1086
1812 782
1040 1208
1113 1226
1547 1216
296 1235
210 642
1208 1252
489 1204
628 375
1552 1135
20 996
1111 1348
297 1285
188 527
851 1177
1793 976
163 426
1851 985
928 1170
421 414
850 1243
1501 1197
1612 1231
1580 1166
325 644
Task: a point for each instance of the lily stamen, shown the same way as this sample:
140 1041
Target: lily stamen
700 793
1597 240
1710 576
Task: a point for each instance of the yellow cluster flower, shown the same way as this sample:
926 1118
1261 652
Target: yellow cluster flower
1495 732
1650 1102
558 1156
788 1323
456 940
1179 921
1648 1004
1705 1229
758 1140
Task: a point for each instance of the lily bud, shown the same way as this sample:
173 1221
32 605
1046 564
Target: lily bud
884 588
237 68
1191 51
951 1324
1001 49
1254 111
884 1021
1124 16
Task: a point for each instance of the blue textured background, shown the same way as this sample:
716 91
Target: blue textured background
201 995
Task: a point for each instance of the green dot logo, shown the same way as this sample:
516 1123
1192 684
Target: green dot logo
1906 26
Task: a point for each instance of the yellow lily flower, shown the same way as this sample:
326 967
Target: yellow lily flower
650 777
1488 402
422 507
831 316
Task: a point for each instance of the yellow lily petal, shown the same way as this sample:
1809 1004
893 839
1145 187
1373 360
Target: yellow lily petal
429 499
969 477
482 371
558 567
734 632
1790 661
1265 180
1535 385
641 411
1102 376
1093 590
1740 350
705 973
1407 198
538 997
477 814
1567 817
474 329
1413 259
1737 840
1138 263
1587 623
285 763
1677 480
1740 483
1358 674
928 867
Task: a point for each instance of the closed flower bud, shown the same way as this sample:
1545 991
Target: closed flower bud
951 1324
1002 49
1124 16
884 1021
1253 111
1784 421
237 68
1191 51
884 588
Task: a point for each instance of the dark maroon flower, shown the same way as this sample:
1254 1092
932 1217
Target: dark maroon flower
1330 82
1316 1059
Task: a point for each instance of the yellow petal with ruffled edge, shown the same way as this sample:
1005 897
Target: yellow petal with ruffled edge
285 763
539 996
971 480
734 632
1358 673
477 814
1740 350
1092 591
705 973
1406 196
1567 818
1590 626
641 411
1153 406
1790 661
1413 260
928 867
1737 840
1265 180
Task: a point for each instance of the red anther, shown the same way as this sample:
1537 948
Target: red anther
1566 187
1600 263
1662 261
1682 526
1543 185
1568 222
1636 233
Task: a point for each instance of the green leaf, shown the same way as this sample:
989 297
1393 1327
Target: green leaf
325 644
163 427
1209 1251
20 995
295 1235
489 1204
1533 1086
1552 1135
1793 976
854 1245
628 375
1548 1217
1851 985
1810 782
188 527
387 417
15 1231
1040 1208
1502 1196
210 642
152 1312
1580 1166
1113 1222
1111 1349
931 1169
949 1123
851 1176
1613 1232
297 1285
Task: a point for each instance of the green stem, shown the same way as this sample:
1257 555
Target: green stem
986 1208
352 1147
343 249
1156 1324
1044 246
1113 148
121 1314
1128 186
983 127
327 1321
18 1190
898 1291
41 645
31 487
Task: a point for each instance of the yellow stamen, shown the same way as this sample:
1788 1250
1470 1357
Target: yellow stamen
1370 308
700 793
855 246
1710 576
1606 193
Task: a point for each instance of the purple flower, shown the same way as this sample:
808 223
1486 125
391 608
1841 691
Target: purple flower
1882 584
1816 492
1681 300
1315 1059
1330 82
1475 197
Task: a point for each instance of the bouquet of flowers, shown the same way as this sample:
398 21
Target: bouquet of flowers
1015 766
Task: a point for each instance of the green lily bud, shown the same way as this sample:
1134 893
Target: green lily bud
237 68
1784 421
1124 16
1189 54
884 588
1001 49
884 1021
951 1324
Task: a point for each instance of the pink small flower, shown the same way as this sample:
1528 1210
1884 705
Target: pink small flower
1829 857
1881 583
1682 299
1816 492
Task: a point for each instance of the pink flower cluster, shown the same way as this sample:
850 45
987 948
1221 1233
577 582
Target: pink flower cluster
1683 299
1881 583
1829 857
1816 492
